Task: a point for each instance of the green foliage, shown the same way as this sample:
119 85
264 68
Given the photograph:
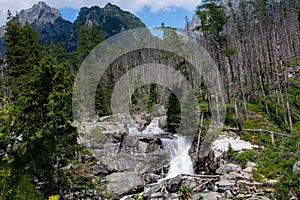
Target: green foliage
185 192
212 17
108 195
276 118
231 153
190 114
230 118
36 114
173 110
138 197
88 38
228 52
247 155
20 187
152 96
278 162
290 182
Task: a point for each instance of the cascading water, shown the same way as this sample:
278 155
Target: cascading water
153 127
177 149
178 152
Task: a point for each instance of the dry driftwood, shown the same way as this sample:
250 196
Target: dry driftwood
202 175
259 131
201 185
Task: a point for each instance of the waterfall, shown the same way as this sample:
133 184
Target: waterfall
177 149
153 127
178 152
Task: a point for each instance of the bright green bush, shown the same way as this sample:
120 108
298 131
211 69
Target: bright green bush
247 155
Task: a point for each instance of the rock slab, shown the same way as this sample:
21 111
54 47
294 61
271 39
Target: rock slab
122 183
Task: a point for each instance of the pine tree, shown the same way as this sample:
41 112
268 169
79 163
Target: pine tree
39 108
88 38
173 112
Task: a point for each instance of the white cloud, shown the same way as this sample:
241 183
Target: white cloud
129 5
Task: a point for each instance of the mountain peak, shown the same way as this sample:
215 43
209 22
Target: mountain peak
111 6
110 20
108 4
41 4
40 13
188 29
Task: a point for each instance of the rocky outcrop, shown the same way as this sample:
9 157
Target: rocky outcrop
39 14
189 28
134 164
115 148
211 162
221 144
123 183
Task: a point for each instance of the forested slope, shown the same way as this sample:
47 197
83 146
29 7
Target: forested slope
255 45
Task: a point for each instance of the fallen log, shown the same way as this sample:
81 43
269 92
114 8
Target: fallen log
202 175
259 131
201 185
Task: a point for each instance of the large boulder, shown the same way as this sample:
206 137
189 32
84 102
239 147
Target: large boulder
123 183
221 144
210 161
174 184
226 168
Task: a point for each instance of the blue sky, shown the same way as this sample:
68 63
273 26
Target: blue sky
174 17
151 12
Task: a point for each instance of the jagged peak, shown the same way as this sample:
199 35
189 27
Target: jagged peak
111 6
41 4
40 12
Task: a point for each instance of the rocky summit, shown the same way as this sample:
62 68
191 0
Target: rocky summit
39 14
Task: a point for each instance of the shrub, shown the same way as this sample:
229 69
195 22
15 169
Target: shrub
247 155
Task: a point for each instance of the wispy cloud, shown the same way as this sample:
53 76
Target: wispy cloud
130 5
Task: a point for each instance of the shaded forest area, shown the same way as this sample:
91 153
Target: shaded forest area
255 44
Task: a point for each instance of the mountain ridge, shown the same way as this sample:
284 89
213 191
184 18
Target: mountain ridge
53 28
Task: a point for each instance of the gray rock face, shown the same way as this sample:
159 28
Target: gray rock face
123 183
110 142
226 168
40 13
211 161
221 144
210 195
188 29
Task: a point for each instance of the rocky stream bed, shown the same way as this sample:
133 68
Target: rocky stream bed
135 166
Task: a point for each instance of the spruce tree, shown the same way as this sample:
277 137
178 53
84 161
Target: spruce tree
39 108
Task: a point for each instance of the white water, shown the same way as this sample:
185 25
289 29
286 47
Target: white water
177 149
178 152
153 127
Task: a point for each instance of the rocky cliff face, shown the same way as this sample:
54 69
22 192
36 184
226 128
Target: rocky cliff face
39 14
188 29
119 150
